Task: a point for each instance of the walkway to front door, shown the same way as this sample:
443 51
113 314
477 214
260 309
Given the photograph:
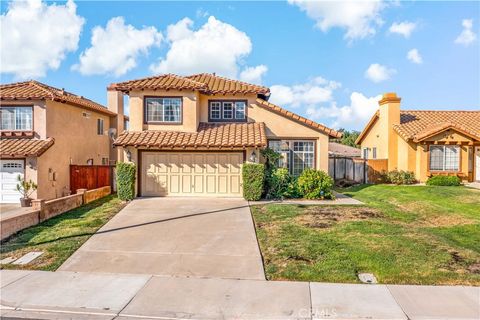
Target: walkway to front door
202 237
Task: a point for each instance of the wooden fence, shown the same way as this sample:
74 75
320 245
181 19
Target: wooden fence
90 177
356 169
375 168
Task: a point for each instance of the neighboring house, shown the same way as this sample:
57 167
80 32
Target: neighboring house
190 135
43 131
340 150
424 142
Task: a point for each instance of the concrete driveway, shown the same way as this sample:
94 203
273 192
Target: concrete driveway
201 237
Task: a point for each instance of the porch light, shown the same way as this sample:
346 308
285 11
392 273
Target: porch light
253 157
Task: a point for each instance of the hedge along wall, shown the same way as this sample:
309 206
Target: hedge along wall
126 180
253 175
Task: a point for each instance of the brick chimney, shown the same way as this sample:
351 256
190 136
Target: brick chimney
390 115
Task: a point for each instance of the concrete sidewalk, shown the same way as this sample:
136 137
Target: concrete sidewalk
72 295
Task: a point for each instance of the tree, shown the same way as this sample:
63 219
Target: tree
348 138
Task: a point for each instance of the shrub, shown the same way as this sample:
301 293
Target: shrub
315 184
280 183
253 177
401 177
271 160
443 181
126 181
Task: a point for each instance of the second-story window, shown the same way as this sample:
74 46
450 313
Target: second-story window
100 127
16 118
227 111
167 110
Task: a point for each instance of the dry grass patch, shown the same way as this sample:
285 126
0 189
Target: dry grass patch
325 217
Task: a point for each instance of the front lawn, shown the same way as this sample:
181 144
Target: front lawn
403 235
60 236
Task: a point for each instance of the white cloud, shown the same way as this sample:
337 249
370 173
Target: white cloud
404 28
115 48
378 73
253 74
36 37
317 90
359 18
414 56
353 116
215 47
467 36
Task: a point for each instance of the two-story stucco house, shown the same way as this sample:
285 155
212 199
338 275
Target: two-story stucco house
190 135
424 142
43 131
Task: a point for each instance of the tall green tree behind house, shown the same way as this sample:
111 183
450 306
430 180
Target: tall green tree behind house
348 138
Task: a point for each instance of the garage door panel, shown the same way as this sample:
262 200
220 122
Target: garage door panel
184 174
211 184
9 172
198 183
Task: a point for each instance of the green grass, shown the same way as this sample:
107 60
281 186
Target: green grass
60 236
403 235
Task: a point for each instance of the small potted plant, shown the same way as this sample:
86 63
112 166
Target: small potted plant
26 188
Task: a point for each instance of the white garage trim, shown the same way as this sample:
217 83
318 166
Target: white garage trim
9 171
190 173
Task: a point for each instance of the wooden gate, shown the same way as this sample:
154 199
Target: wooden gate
90 177
375 168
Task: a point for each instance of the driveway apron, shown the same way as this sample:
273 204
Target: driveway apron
199 237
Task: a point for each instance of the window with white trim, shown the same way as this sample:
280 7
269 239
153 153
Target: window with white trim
227 111
374 153
444 158
365 153
215 110
16 118
296 155
163 110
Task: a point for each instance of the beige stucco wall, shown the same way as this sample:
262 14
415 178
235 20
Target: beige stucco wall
189 116
195 110
76 141
376 138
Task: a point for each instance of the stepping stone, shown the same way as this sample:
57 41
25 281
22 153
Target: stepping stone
367 278
29 257
7 260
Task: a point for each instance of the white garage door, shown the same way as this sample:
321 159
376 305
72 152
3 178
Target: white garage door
191 174
10 169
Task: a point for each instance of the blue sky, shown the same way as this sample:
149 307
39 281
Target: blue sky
327 61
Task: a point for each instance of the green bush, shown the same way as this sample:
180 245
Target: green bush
281 184
401 177
443 181
315 184
126 180
253 177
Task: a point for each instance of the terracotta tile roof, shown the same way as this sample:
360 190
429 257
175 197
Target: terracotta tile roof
342 150
217 84
24 147
208 136
288 114
164 81
419 125
203 82
34 90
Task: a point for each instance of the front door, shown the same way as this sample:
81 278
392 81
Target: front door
477 164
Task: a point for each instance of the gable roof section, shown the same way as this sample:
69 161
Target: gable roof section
203 82
365 130
339 149
165 81
295 117
217 84
34 90
233 136
24 147
420 125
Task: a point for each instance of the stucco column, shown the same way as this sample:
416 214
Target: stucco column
39 205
